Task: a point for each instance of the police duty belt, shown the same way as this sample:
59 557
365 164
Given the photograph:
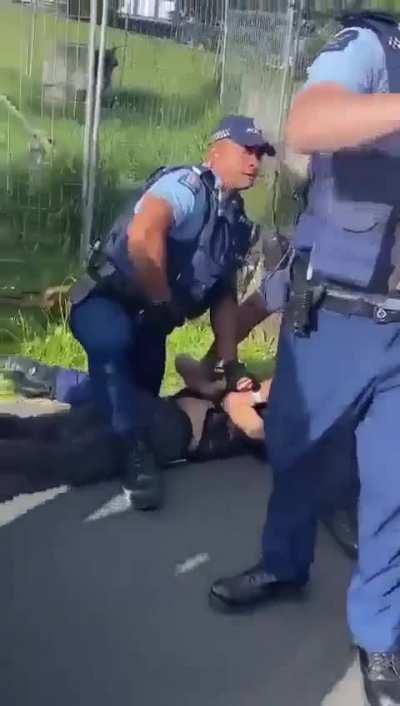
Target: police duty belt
382 309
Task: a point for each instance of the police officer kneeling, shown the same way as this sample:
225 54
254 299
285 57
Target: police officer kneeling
172 256
338 364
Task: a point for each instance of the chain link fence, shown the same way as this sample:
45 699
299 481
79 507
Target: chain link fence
159 100
170 69
163 98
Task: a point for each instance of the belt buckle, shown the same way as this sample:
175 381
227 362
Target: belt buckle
381 315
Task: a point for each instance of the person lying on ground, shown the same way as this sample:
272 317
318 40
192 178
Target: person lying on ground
74 446
220 426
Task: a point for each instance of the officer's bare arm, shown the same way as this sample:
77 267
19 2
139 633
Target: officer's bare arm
327 117
147 237
249 314
223 316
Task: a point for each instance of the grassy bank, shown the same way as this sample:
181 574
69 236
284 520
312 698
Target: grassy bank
56 346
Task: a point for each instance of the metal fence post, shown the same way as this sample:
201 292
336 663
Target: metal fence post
92 174
294 15
224 43
91 79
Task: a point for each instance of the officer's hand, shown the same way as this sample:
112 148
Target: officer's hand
165 316
238 379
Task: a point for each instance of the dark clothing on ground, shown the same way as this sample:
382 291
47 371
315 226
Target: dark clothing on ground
76 447
72 447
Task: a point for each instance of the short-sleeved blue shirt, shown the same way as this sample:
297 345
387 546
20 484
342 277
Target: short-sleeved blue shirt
354 59
184 191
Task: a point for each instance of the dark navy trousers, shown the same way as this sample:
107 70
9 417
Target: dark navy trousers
335 406
126 361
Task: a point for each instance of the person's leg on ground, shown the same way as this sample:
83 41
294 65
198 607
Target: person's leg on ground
31 464
30 377
35 379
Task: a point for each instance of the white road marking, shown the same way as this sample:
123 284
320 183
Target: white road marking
191 564
11 510
348 690
116 506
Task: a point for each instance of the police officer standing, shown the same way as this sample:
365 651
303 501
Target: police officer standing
338 363
171 257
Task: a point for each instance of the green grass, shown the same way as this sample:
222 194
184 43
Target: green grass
167 105
55 345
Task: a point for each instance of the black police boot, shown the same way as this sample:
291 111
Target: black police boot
31 379
343 527
142 480
381 675
250 588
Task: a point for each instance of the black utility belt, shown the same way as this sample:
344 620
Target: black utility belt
106 280
383 310
307 297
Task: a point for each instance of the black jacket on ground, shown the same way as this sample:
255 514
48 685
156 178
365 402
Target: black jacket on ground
72 447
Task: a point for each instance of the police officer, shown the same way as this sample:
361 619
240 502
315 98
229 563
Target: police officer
338 365
172 256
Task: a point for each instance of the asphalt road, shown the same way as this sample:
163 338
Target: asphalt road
115 612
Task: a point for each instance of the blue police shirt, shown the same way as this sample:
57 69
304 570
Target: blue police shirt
354 58
186 195
184 190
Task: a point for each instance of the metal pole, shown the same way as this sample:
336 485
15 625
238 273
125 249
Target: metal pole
125 49
296 14
287 61
95 131
86 226
224 44
33 36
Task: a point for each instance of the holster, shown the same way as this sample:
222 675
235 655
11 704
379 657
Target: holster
304 297
103 278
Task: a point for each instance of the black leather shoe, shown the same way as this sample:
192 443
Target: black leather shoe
142 480
381 675
31 379
250 588
343 527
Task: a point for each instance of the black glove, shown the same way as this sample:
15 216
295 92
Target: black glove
235 371
165 316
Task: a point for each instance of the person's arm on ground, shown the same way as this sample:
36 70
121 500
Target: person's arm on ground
56 297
